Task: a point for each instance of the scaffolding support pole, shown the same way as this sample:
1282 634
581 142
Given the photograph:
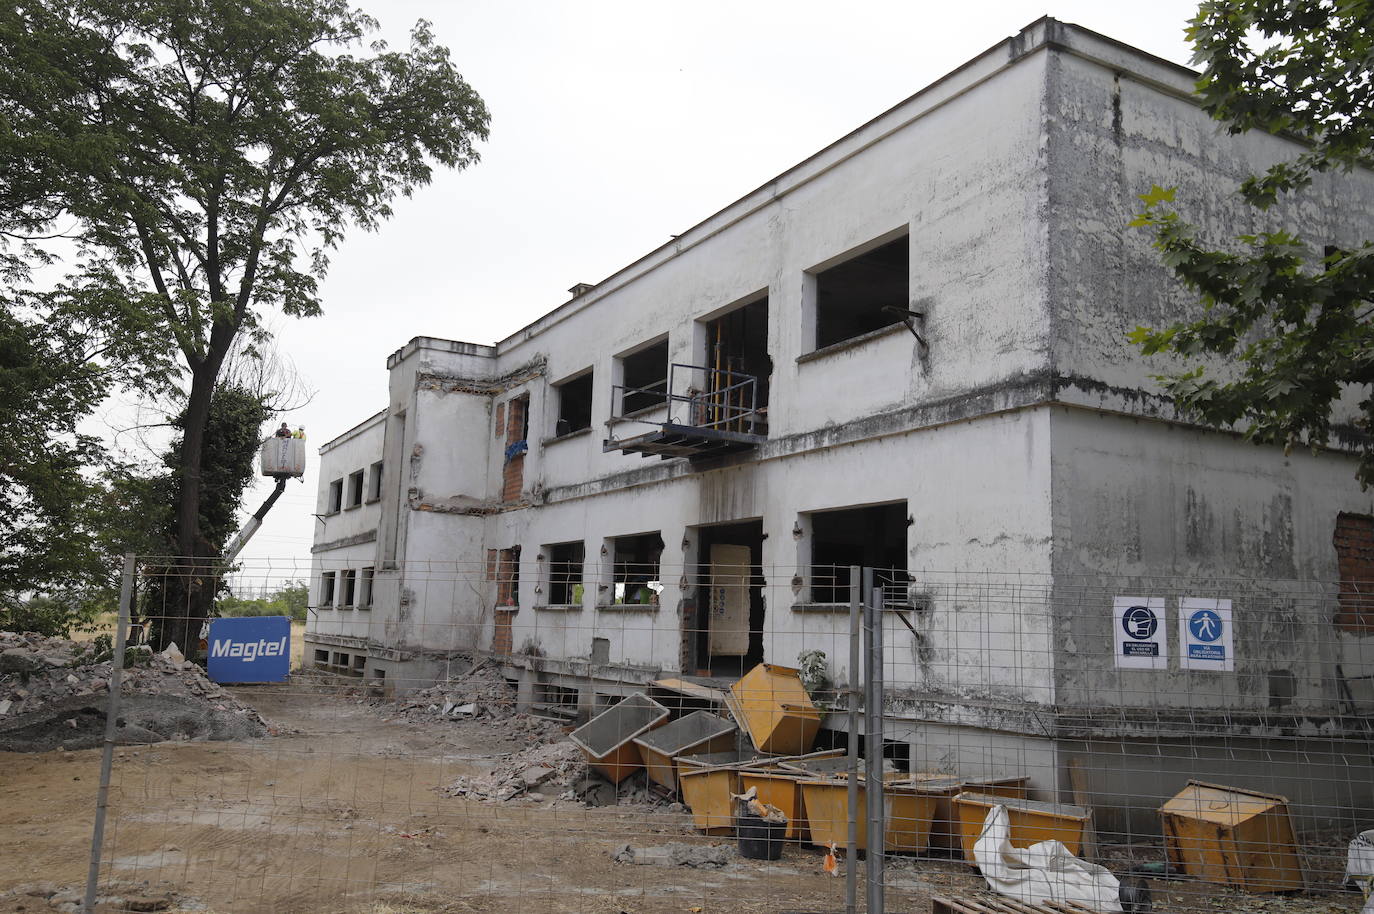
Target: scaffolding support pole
851 853
873 740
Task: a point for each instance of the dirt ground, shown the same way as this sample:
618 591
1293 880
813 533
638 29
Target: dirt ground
342 814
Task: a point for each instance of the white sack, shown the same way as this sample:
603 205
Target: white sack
1359 859
1042 872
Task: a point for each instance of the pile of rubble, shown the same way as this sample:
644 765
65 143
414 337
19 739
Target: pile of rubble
557 772
548 769
53 694
479 693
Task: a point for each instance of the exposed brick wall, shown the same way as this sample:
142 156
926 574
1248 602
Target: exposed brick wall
513 478
501 640
513 472
508 577
500 421
515 428
1354 541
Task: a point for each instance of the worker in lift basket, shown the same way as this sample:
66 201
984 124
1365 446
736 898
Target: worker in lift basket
300 433
284 431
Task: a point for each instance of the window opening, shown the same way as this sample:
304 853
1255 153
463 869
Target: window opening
327 589
574 405
355 488
874 537
645 378
851 296
365 588
636 568
359 664
374 482
321 658
736 346
348 586
335 496
565 573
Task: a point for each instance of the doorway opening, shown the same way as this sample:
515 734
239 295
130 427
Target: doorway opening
736 350
727 637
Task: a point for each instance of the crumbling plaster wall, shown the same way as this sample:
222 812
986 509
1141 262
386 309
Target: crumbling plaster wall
1111 136
425 559
1144 500
1147 508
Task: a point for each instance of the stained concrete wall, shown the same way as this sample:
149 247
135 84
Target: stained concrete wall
1167 505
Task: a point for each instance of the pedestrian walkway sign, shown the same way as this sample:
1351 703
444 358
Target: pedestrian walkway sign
1139 636
1206 636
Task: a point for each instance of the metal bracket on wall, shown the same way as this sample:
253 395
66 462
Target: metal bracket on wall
909 319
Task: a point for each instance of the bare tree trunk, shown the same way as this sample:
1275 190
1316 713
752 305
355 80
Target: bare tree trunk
190 590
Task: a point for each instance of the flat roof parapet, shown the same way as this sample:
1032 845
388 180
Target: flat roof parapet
439 344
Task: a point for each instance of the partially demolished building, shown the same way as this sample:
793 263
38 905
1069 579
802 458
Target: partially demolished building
910 352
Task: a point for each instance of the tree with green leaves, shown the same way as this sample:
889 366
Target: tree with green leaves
61 354
1294 320
191 151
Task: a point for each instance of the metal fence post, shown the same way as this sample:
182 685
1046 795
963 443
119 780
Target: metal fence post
873 741
102 802
851 854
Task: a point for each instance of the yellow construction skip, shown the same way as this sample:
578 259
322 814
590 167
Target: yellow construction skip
1234 837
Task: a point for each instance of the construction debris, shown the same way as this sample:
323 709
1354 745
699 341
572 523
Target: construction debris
553 768
54 692
675 854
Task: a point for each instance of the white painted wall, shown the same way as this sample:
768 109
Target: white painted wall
1013 179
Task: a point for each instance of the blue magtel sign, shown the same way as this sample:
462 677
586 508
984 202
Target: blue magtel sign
250 649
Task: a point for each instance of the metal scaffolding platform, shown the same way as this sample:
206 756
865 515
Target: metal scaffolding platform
718 415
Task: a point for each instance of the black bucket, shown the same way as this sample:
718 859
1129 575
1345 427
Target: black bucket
760 839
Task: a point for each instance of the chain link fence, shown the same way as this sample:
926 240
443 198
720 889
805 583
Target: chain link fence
1192 745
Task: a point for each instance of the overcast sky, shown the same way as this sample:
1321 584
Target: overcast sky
614 125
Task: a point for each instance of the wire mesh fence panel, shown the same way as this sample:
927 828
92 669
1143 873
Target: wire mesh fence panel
573 732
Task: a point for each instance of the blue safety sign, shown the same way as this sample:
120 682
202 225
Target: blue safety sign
1141 621
1205 625
249 649
1205 631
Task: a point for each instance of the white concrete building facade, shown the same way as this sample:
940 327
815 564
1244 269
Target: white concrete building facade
909 351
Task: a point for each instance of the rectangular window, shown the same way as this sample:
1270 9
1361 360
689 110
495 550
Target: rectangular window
321 658
327 589
374 482
565 573
355 489
1354 541
644 375
348 587
864 293
635 573
574 405
874 537
508 577
335 497
365 588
